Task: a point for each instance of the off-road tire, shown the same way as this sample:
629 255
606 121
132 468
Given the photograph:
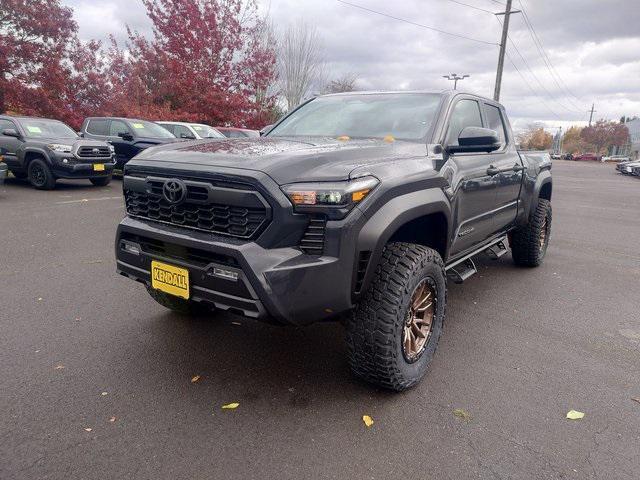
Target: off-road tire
101 181
526 249
375 329
40 175
177 304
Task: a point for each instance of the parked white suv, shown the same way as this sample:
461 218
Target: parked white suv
192 131
615 158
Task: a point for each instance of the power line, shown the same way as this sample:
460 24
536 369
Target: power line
526 64
545 58
471 6
530 87
415 24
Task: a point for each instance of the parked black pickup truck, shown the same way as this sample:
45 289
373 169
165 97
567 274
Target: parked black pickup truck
356 206
44 150
127 135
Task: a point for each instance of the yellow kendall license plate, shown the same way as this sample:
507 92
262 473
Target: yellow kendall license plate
170 279
98 167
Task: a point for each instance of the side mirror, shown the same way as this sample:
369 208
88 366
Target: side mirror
187 136
265 130
125 136
80 134
476 140
10 132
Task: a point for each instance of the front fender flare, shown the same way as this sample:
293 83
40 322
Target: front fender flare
382 224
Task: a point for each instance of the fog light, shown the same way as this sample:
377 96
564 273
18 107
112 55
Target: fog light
129 247
64 160
226 274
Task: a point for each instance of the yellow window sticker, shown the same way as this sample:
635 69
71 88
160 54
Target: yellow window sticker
138 125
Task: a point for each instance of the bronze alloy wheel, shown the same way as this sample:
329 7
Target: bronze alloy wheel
419 322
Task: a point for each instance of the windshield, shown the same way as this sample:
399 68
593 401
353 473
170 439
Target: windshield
205 131
42 128
405 116
143 128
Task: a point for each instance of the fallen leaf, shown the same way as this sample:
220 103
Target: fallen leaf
575 415
59 367
39 299
112 419
195 379
88 429
230 406
460 413
104 394
636 399
368 421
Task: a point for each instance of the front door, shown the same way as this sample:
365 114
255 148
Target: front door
472 189
123 148
9 145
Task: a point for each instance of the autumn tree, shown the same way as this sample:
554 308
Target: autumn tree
572 142
604 134
535 138
213 65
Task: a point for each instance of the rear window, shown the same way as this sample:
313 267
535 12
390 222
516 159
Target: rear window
98 127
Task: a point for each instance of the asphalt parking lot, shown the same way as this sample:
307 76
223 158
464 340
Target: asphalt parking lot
83 348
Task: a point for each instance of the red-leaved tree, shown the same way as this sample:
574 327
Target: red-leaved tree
604 134
210 66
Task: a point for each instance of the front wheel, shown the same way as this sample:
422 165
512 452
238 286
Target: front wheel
101 181
394 331
40 175
529 243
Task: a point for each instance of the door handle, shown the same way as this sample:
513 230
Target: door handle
491 171
518 168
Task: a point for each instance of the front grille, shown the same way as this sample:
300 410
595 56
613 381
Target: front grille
94 152
312 242
225 211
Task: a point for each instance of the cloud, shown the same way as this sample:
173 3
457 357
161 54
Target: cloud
593 46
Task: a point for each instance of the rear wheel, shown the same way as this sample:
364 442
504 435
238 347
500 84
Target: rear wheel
529 243
177 304
40 175
101 181
393 333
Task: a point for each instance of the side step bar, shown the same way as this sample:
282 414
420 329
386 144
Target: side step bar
462 269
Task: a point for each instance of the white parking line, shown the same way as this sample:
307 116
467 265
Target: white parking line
83 200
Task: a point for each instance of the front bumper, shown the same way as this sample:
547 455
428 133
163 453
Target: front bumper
278 284
81 168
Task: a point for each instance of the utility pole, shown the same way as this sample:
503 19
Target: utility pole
591 112
503 46
455 77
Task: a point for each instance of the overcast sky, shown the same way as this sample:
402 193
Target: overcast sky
593 48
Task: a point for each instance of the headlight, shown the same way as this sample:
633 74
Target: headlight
335 199
112 149
59 147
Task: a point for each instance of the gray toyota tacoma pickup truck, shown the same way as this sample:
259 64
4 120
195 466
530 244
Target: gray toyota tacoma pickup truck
356 206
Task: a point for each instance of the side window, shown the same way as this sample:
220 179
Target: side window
466 113
98 127
117 127
495 122
169 127
5 124
180 130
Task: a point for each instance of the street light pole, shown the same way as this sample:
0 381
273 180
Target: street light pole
455 77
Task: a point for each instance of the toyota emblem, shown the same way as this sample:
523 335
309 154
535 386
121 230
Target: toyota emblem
96 151
174 191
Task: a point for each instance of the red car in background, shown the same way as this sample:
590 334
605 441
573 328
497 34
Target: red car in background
233 132
587 156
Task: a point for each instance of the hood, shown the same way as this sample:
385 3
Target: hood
286 160
77 141
157 141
